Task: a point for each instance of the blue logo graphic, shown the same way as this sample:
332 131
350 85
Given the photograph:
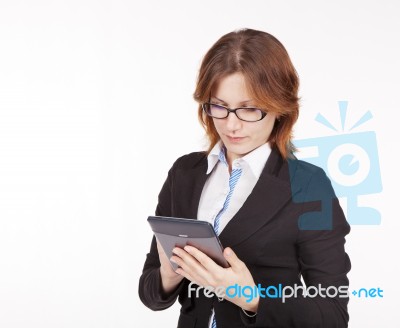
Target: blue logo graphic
368 293
351 162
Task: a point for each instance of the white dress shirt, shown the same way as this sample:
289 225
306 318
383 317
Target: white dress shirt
216 187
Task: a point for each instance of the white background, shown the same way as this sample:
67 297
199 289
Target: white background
96 104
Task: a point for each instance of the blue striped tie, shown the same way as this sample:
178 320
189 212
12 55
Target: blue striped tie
233 179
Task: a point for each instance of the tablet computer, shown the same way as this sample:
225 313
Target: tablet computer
176 232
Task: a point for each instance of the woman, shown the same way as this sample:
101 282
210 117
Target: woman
277 216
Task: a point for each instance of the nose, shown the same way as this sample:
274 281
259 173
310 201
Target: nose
233 123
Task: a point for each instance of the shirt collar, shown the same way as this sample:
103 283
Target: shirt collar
256 159
216 154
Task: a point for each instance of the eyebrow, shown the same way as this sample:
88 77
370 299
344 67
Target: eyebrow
224 102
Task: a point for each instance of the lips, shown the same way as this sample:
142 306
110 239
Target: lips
235 139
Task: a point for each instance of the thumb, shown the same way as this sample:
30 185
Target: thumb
232 259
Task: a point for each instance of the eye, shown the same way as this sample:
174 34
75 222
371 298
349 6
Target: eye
216 107
250 109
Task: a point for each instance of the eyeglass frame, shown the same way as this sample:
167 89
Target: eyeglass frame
229 110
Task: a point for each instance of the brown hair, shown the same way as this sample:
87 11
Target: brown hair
269 74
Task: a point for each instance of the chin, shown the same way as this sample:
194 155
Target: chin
239 150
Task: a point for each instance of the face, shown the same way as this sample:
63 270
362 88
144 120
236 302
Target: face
239 137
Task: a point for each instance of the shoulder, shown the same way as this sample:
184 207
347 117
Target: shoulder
309 178
304 168
191 160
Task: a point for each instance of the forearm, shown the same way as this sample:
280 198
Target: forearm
151 292
168 283
157 289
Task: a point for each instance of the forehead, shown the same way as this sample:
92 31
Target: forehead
232 89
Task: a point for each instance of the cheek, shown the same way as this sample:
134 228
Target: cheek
218 125
265 130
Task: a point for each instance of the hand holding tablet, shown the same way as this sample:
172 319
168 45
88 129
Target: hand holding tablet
177 232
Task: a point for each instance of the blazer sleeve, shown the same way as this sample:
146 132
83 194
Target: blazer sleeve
323 263
150 289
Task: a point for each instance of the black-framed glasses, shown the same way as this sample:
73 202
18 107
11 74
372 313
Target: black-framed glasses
247 114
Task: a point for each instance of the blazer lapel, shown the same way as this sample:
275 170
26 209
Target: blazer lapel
271 192
190 183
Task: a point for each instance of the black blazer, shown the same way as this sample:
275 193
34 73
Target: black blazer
268 234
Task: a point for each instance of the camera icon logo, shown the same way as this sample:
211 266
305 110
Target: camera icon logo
351 161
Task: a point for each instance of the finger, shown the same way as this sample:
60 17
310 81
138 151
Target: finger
184 274
185 260
184 256
187 276
190 265
235 263
205 260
